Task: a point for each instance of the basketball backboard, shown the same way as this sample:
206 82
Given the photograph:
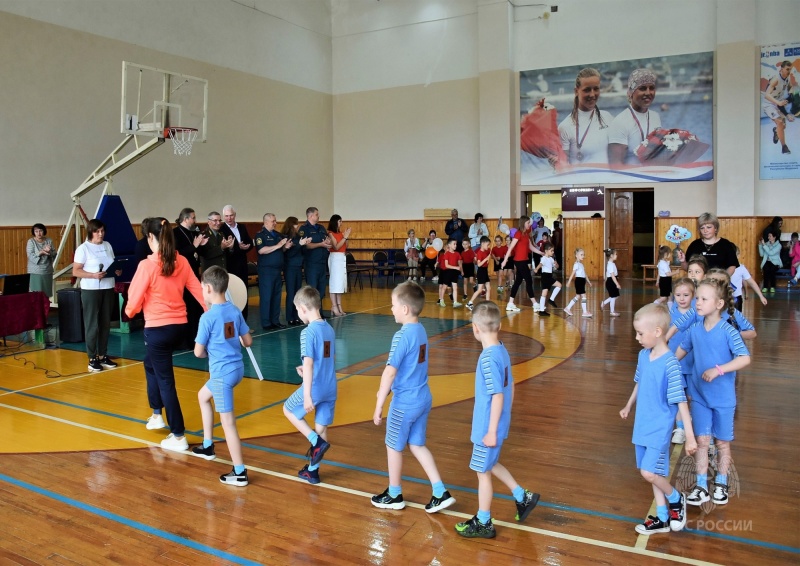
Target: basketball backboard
155 99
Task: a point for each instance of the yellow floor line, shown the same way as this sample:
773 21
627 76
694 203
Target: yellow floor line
544 532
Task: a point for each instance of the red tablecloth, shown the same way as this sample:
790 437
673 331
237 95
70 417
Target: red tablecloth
19 313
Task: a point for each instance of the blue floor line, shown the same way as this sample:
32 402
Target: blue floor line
129 522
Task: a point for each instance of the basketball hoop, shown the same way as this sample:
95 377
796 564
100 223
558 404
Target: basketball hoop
182 139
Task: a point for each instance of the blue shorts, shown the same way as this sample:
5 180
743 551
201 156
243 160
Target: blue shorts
221 388
484 458
406 426
712 422
653 460
323 410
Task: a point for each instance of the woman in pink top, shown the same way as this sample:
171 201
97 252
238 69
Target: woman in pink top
157 288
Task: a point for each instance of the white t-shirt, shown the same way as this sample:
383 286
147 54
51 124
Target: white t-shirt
781 91
594 148
611 269
624 130
91 256
664 269
548 263
740 275
579 270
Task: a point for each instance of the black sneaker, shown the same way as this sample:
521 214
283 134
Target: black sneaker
439 503
386 501
311 476
543 313
698 496
524 508
786 149
316 452
652 525
475 529
775 138
677 514
106 362
720 495
232 478
463 297
94 365
552 303
205 453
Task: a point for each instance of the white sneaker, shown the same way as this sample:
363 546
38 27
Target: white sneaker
536 307
174 444
511 307
435 279
567 312
155 422
587 315
456 304
678 436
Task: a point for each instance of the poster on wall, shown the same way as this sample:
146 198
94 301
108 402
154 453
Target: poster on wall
779 131
583 199
640 120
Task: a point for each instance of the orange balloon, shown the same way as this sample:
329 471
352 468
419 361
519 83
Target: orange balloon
430 252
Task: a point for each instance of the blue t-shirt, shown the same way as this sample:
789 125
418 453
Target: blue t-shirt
711 348
317 233
219 331
317 341
660 390
409 355
492 377
687 363
740 319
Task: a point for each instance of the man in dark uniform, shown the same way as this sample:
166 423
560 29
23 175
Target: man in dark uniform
237 255
315 252
213 252
269 245
188 238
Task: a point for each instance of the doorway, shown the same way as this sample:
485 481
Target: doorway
631 228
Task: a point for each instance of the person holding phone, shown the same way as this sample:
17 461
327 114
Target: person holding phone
92 259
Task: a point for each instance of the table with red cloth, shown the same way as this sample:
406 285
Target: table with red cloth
23 312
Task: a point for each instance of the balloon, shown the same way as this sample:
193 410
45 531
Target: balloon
512 232
535 217
438 244
504 229
430 252
237 291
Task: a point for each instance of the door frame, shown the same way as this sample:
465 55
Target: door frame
610 216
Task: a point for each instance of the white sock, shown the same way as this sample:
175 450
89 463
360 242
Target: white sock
555 293
542 301
612 302
572 302
583 306
608 300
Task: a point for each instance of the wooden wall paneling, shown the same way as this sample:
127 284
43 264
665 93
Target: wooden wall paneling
589 234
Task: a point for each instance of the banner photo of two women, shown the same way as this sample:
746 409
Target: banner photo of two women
780 112
618 122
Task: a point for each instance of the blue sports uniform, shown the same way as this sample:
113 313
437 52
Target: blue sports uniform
492 377
317 341
269 277
219 331
407 420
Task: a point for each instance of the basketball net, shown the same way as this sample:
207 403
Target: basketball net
182 140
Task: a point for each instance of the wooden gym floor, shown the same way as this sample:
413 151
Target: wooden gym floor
82 481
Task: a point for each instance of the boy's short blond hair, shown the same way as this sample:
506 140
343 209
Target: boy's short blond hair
486 316
657 313
308 297
411 295
217 277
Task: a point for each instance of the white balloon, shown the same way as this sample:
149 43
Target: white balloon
237 291
438 244
504 229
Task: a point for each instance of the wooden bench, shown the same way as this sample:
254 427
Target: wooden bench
645 269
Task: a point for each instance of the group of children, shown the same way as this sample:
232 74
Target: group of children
223 328
691 353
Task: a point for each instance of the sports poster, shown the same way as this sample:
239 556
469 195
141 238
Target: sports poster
640 120
779 112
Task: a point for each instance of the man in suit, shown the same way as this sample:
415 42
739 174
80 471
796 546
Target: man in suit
237 255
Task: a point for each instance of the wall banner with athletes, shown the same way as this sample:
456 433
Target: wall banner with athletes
779 131
642 120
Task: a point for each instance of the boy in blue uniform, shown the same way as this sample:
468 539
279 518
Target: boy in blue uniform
406 375
659 388
318 392
491 418
218 337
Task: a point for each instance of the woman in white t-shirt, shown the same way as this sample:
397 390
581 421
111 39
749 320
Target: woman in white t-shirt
92 258
584 133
